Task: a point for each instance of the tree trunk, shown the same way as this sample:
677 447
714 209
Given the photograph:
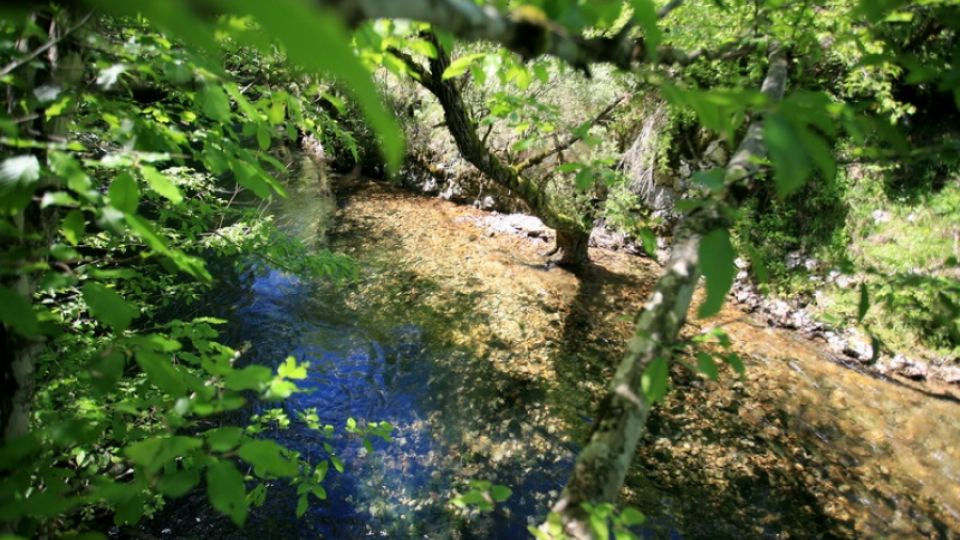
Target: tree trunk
571 248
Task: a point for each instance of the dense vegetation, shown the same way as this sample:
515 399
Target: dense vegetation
814 139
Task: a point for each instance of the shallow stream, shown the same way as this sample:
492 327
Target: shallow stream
489 366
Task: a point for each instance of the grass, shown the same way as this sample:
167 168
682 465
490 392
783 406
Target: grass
904 247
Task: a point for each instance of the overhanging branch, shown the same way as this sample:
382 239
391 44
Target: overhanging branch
528 38
602 465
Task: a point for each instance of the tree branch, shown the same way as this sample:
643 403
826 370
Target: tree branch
578 135
528 38
43 48
601 466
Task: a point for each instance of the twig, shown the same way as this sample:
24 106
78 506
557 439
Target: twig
41 49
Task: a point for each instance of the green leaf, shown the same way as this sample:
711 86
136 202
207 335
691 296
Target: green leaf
423 47
17 313
179 482
73 226
304 29
337 103
280 389
214 103
248 378
707 366
864 304
250 177
224 439
500 493
599 526
337 463
302 505
106 370
278 108
226 491
645 13
584 179
108 307
716 259
790 165
57 108
19 170
631 516
570 167
711 179
162 184
290 370
734 361
161 373
263 137
124 194
461 65
818 151
153 453
58 198
655 380
649 241
267 458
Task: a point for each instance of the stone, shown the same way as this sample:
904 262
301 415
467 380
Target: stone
880 216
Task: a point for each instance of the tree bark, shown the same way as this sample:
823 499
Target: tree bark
571 248
601 466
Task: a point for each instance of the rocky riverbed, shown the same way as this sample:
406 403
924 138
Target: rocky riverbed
801 446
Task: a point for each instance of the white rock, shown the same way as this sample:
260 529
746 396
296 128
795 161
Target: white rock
880 216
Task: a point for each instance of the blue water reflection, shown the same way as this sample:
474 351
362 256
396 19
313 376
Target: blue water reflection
371 372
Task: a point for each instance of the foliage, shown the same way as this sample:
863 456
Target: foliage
482 495
153 160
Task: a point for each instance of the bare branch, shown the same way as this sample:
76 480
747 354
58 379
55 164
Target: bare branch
43 48
537 159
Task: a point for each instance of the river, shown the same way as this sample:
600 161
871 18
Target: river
489 366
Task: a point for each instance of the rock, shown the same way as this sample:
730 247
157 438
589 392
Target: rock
487 202
716 153
779 310
452 191
880 216
794 260
845 281
430 185
950 374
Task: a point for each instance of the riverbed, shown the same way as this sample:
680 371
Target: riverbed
489 366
